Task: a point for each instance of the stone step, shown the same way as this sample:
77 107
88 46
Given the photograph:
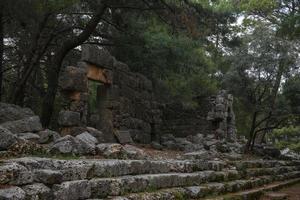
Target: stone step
253 172
246 164
26 170
209 189
103 187
256 193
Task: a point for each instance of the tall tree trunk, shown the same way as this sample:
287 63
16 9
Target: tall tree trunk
252 132
68 45
275 89
1 49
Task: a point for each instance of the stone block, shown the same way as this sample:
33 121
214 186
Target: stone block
100 57
30 124
123 136
11 112
69 118
73 79
7 138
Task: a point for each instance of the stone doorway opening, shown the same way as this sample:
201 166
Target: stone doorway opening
95 96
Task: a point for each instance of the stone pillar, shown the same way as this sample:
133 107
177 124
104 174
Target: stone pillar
73 84
222 116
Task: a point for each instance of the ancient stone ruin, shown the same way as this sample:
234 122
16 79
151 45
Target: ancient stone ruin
125 100
126 105
187 153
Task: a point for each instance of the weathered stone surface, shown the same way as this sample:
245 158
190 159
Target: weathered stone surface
199 155
69 118
15 174
7 138
123 137
87 138
37 191
156 145
99 57
71 145
133 152
30 124
72 190
29 136
73 79
47 136
11 112
48 176
12 193
113 150
109 150
97 134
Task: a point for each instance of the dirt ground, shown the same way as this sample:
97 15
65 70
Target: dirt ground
293 192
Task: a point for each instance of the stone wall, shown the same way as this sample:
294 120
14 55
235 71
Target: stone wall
182 121
213 116
126 104
125 99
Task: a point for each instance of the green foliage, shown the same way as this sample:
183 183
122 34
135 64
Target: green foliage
291 91
92 98
287 137
258 5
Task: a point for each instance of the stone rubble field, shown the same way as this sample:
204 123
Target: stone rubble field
40 164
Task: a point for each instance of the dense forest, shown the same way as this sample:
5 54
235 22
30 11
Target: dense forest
189 48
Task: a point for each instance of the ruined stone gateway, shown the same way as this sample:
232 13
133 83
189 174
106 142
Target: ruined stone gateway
126 104
116 141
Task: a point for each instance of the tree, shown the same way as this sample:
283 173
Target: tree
258 68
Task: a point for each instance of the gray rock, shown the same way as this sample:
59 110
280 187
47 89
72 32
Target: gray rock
112 150
15 174
97 134
100 57
132 152
30 124
12 193
170 145
7 138
88 138
71 145
167 137
199 155
11 112
37 191
48 176
72 190
196 139
29 136
156 145
69 118
124 137
73 79
47 136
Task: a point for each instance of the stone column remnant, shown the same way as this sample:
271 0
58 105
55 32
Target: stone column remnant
222 116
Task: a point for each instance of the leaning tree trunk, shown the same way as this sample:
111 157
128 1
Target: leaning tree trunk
252 132
68 45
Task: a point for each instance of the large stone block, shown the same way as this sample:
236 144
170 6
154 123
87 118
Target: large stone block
73 79
11 112
38 191
100 57
72 190
12 193
72 145
15 174
7 138
69 118
30 124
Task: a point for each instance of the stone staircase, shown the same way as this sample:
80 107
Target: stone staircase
44 178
